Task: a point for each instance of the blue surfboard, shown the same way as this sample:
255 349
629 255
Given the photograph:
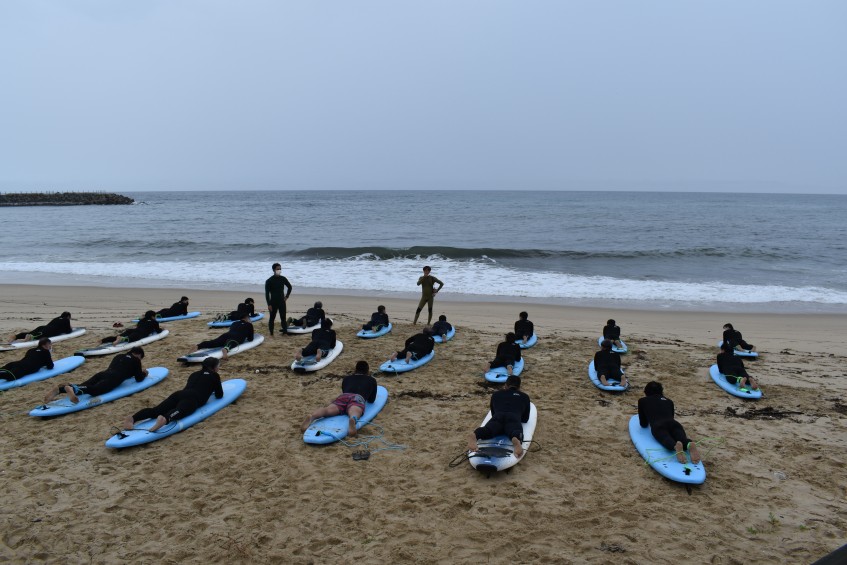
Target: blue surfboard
733 389
450 334
175 318
621 350
616 387
662 460
61 366
533 339
228 323
370 334
139 435
63 405
742 352
499 374
334 428
400 365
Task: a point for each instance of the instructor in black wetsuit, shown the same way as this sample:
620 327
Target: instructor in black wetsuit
201 385
356 390
33 361
55 327
275 296
656 411
510 408
122 367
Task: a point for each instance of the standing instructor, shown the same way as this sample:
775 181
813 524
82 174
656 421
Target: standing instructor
428 292
276 296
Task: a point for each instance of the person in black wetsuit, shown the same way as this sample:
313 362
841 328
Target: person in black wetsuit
417 346
33 361
379 320
356 390
122 367
607 363
323 339
314 316
55 327
656 411
247 306
510 407
428 292
612 333
508 353
733 337
524 328
146 326
732 367
275 296
200 386
442 327
241 331
177 309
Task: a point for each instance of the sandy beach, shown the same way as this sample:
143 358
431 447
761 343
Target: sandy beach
242 487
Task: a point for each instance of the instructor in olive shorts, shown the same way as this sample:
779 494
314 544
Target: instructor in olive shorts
276 297
427 282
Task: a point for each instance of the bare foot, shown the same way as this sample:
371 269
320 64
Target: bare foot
52 394
224 354
128 423
306 423
318 355
694 451
472 446
603 380
298 357
394 357
680 453
518 447
69 390
351 427
160 421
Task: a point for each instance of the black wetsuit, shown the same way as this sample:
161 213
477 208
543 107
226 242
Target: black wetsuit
322 339
239 332
731 366
122 367
242 309
56 326
275 296
509 408
441 328
201 385
508 353
524 328
733 337
658 413
419 344
608 364
378 321
612 333
143 329
176 309
364 385
313 317
33 361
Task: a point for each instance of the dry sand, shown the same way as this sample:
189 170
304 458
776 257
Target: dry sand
243 487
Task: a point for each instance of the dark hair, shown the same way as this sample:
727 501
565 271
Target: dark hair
211 363
43 341
380 308
362 367
149 314
523 315
728 326
326 323
442 318
606 344
511 337
610 323
319 304
65 315
248 301
244 314
653 389
183 298
275 265
427 268
513 381
427 331
137 351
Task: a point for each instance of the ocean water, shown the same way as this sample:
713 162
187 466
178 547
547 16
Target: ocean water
746 252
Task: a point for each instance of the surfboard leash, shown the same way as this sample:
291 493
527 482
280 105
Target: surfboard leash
365 441
709 442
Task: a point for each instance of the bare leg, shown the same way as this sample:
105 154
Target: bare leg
224 353
51 394
69 390
160 421
128 423
298 356
754 383
509 370
318 355
408 357
694 451
354 413
680 452
603 380
516 443
394 356
330 410
472 446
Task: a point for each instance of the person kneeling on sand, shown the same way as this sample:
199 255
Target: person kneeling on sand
657 411
323 340
418 346
510 408
356 390
123 366
200 386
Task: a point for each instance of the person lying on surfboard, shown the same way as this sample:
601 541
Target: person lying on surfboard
510 408
732 367
657 411
32 362
612 333
379 320
53 328
248 306
418 346
241 331
607 363
508 353
323 339
356 390
442 327
313 317
123 366
177 309
733 337
200 386
523 327
146 326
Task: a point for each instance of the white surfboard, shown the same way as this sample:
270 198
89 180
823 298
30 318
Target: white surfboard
107 349
497 454
76 332
218 352
307 330
308 364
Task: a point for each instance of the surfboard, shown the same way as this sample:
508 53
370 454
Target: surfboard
662 460
233 388
175 318
299 330
228 323
63 405
623 349
450 334
126 346
217 352
400 365
60 367
733 389
370 334
497 453
741 353
499 374
617 387
76 332
533 339
308 364
334 428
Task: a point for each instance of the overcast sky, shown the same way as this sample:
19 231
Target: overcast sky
532 94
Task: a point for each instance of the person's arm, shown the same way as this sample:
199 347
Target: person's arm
440 284
268 292
372 393
288 286
139 371
526 411
219 389
517 350
250 331
48 359
420 280
642 416
332 337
